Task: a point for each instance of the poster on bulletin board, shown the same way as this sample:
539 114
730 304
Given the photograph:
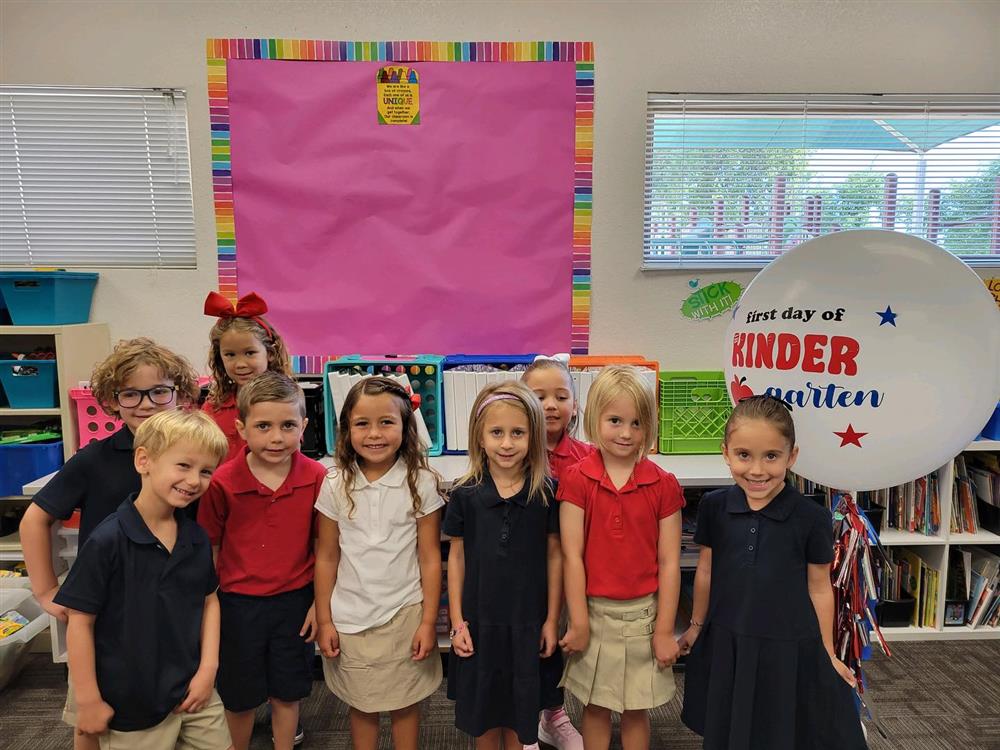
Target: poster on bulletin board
406 196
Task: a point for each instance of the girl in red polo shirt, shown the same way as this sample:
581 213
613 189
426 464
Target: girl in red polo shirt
621 538
243 345
552 382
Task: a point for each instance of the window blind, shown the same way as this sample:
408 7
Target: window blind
736 180
95 177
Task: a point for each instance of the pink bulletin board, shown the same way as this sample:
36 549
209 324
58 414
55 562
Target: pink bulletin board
467 232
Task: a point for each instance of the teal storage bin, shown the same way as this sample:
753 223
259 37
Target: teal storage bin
29 383
424 372
24 463
46 298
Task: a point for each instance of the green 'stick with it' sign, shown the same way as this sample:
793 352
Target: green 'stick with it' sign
712 300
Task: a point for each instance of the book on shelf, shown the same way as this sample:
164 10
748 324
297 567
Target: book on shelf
964 509
983 609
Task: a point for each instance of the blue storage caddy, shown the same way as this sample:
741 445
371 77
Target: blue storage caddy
424 372
26 462
29 383
45 298
461 388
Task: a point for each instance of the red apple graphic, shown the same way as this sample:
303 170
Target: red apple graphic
739 390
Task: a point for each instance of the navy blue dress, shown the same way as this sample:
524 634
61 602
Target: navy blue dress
758 677
505 683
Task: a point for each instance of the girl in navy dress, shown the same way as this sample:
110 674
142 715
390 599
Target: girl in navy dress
762 673
504 573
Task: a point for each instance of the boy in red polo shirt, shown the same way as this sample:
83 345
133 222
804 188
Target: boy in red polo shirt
259 516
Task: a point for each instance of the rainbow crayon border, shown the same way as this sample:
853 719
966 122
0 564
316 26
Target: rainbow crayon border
582 53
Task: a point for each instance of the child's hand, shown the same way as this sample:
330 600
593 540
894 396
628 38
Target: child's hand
93 718
199 692
576 639
549 640
329 640
424 642
686 642
665 649
844 671
461 642
58 611
309 629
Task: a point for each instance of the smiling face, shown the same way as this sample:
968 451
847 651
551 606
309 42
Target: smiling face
273 430
552 386
143 378
759 457
178 476
505 438
243 355
376 424
620 433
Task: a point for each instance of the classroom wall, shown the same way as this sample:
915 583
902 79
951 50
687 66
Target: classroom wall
752 47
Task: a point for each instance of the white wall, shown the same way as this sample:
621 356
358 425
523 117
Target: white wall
753 47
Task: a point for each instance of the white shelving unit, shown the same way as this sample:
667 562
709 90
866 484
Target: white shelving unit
935 549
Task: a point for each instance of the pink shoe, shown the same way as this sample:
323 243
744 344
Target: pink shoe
558 731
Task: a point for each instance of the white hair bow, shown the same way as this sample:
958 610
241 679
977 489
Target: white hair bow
562 358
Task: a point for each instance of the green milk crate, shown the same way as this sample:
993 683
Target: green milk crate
694 407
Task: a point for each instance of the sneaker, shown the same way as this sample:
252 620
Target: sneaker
531 747
559 731
300 734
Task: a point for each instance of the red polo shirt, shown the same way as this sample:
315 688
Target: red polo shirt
566 453
621 527
225 415
265 538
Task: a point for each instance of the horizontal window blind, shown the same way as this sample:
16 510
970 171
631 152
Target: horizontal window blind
95 177
737 180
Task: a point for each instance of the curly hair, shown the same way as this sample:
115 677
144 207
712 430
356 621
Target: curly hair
110 375
277 353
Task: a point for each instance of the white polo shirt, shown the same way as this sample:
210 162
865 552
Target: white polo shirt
379 573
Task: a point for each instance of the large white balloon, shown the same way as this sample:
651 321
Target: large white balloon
887 347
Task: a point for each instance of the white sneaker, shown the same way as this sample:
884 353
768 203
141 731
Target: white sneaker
531 747
559 732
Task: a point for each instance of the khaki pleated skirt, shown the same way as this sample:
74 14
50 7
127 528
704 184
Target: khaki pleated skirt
375 670
617 670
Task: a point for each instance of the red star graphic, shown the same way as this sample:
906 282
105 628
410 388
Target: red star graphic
850 436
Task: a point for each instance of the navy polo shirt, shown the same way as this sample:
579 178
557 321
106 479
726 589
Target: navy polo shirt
149 605
760 583
96 480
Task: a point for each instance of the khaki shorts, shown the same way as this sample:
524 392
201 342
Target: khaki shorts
205 730
375 670
617 670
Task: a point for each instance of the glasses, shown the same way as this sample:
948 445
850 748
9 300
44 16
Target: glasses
767 397
161 395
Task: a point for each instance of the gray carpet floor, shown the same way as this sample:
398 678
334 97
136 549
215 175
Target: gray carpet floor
929 696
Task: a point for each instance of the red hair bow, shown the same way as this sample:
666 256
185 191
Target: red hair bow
248 306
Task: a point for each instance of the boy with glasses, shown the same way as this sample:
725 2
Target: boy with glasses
138 379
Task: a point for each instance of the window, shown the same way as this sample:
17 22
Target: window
737 180
95 177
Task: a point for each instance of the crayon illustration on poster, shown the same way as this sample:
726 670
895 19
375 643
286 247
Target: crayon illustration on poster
398 95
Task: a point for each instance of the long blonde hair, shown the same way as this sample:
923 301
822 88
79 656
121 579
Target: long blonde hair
517 394
410 449
616 381
277 353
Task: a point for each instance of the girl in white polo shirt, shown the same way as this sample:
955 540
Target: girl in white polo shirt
378 566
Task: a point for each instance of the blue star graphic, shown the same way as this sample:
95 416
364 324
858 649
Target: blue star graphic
888 316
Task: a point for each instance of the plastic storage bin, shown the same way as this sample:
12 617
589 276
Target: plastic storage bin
23 463
14 648
893 613
424 374
45 298
92 422
992 429
462 386
694 407
585 369
29 383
